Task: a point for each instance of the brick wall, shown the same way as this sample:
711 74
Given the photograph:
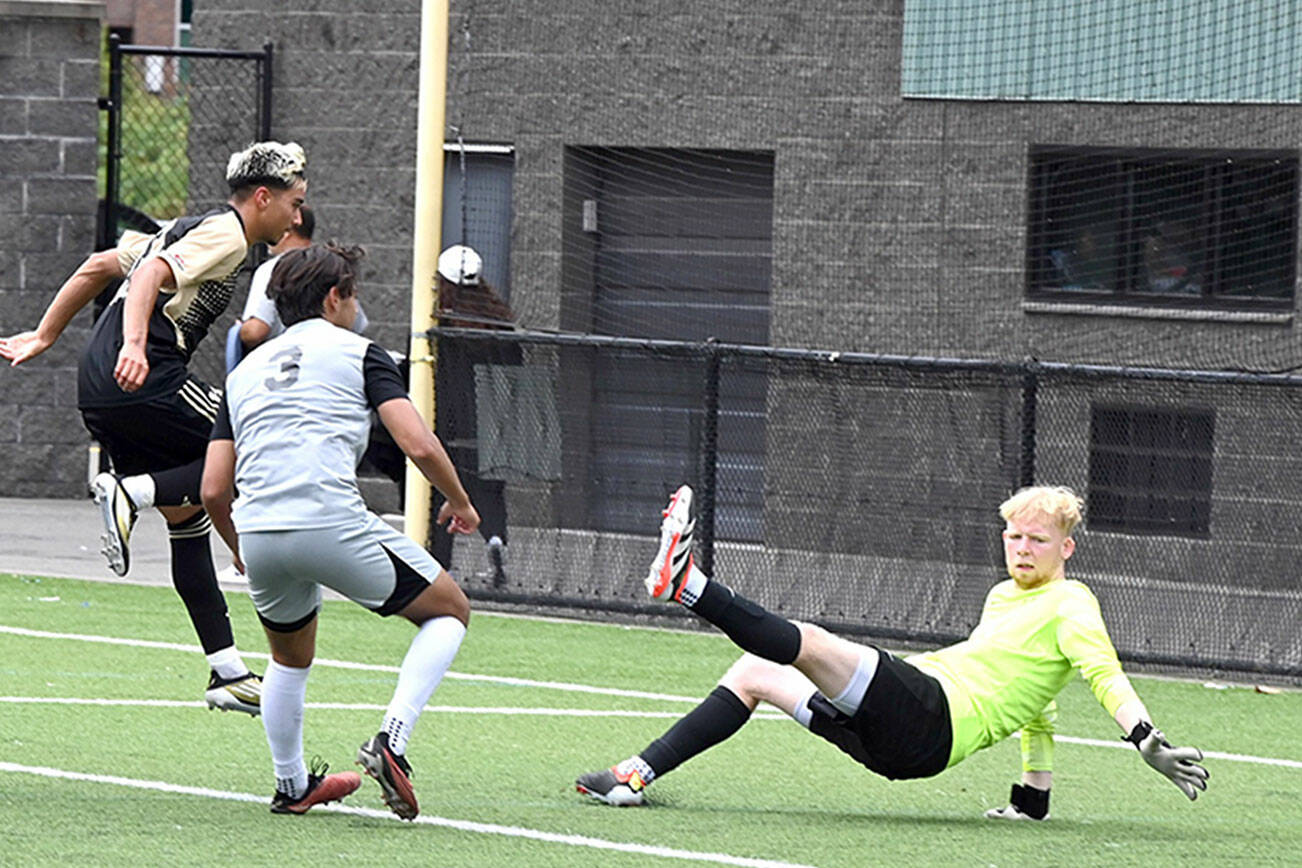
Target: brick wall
49 80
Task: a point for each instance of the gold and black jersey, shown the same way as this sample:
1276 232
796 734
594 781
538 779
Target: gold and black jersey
204 253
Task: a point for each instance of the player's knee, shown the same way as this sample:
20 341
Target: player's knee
443 598
179 514
460 606
749 677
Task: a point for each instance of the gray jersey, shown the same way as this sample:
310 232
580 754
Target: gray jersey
260 306
298 408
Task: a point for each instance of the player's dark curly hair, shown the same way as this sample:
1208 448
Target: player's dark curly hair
302 279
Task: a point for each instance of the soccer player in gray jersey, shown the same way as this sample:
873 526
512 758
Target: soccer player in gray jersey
291 428
137 396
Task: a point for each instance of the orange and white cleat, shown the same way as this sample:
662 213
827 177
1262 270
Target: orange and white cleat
611 787
674 559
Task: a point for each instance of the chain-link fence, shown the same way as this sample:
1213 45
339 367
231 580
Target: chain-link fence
861 491
175 115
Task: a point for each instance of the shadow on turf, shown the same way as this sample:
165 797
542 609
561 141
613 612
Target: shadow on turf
661 803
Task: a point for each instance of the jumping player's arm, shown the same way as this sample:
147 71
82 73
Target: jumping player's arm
211 250
217 488
1084 640
133 365
86 283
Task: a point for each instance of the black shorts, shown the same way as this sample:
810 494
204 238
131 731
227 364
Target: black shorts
158 434
901 729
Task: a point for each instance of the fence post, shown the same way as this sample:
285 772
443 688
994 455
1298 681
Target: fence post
113 145
1030 400
709 461
264 70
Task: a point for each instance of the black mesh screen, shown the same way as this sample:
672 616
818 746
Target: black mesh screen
862 492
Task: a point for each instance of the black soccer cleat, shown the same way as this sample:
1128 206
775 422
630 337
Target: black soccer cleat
609 786
392 772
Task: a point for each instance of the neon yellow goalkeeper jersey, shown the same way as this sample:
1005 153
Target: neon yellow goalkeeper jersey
1005 676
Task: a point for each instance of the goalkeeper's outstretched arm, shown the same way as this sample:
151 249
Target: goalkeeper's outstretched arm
1178 764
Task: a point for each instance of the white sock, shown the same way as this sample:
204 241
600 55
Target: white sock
639 765
140 489
283 692
227 663
804 715
427 659
851 697
693 585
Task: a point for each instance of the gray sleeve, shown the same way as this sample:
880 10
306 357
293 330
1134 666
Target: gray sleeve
258 305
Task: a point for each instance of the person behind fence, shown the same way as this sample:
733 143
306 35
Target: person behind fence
137 396
913 717
293 423
260 322
467 300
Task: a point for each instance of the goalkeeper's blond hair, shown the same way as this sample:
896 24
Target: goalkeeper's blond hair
1062 505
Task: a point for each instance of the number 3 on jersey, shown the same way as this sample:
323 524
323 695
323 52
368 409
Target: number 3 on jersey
288 376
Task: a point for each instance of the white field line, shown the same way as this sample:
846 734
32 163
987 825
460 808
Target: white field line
363 706
552 685
346 664
565 712
461 825
1207 754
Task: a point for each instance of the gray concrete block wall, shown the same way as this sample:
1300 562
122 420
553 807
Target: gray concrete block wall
49 82
345 89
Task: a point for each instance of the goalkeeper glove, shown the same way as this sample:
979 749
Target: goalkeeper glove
1177 763
1024 803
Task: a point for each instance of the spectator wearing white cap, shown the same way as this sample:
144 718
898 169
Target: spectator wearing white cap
466 300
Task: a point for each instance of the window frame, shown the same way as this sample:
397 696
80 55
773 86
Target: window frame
1123 164
1179 459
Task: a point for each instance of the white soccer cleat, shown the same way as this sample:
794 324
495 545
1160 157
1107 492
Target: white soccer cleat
674 559
119 516
1008 812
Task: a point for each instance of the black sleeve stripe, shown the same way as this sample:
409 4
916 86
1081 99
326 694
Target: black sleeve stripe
221 427
382 377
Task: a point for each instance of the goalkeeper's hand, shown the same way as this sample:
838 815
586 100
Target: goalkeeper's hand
1177 763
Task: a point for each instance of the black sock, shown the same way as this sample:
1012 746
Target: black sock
751 626
178 486
717 717
196 581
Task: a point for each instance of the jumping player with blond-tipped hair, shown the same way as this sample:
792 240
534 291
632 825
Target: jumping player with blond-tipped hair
137 396
913 717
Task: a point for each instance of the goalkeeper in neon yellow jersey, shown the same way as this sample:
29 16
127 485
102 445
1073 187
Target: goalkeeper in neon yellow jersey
912 717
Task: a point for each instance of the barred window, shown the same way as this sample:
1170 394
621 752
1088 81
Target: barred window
1186 228
1150 470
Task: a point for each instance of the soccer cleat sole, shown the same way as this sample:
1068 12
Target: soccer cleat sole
114 545
401 803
